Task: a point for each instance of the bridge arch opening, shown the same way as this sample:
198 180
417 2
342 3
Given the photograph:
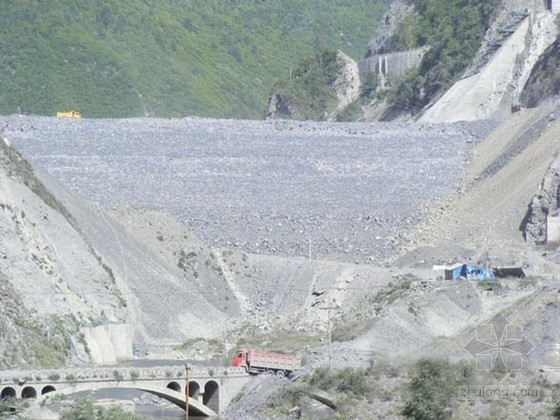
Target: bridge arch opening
8 392
194 390
211 397
47 389
29 392
174 386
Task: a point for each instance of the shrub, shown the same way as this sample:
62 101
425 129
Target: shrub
352 382
432 388
286 398
86 410
556 411
309 92
453 29
117 375
321 379
9 406
351 113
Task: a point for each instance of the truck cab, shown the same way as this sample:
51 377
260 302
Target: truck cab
240 359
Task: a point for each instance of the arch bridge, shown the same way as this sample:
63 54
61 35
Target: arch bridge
210 389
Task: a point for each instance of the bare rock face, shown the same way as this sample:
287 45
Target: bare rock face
347 84
544 82
545 202
279 108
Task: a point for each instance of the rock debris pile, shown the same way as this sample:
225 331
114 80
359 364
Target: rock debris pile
333 190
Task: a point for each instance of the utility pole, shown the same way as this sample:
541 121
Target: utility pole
329 336
187 391
225 347
329 327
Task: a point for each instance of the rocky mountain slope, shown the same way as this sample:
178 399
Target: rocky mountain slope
69 266
319 89
544 83
417 314
498 77
267 291
483 83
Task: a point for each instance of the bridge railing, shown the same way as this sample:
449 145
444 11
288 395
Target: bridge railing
115 373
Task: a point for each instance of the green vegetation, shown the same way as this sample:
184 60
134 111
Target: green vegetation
47 343
352 389
368 93
173 58
453 30
117 376
543 84
186 261
395 290
347 330
85 409
12 407
352 324
280 342
286 398
490 285
308 92
357 383
556 411
433 388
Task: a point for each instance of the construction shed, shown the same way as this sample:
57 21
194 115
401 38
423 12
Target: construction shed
504 272
469 272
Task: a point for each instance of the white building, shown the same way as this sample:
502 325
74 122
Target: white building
553 5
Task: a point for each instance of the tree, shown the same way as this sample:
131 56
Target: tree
433 387
86 410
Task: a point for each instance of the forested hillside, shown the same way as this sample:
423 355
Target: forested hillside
173 58
453 30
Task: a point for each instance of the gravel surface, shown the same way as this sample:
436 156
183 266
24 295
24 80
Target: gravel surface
339 190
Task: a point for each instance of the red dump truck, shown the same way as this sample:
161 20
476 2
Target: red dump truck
256 361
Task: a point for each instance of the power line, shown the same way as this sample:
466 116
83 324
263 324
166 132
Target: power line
154 293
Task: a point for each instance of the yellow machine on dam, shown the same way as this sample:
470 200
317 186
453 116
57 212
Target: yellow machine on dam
69 114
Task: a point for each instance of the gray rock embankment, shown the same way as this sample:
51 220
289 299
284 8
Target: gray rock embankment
342 191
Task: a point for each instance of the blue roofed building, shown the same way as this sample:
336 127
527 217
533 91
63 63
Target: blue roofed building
469 272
